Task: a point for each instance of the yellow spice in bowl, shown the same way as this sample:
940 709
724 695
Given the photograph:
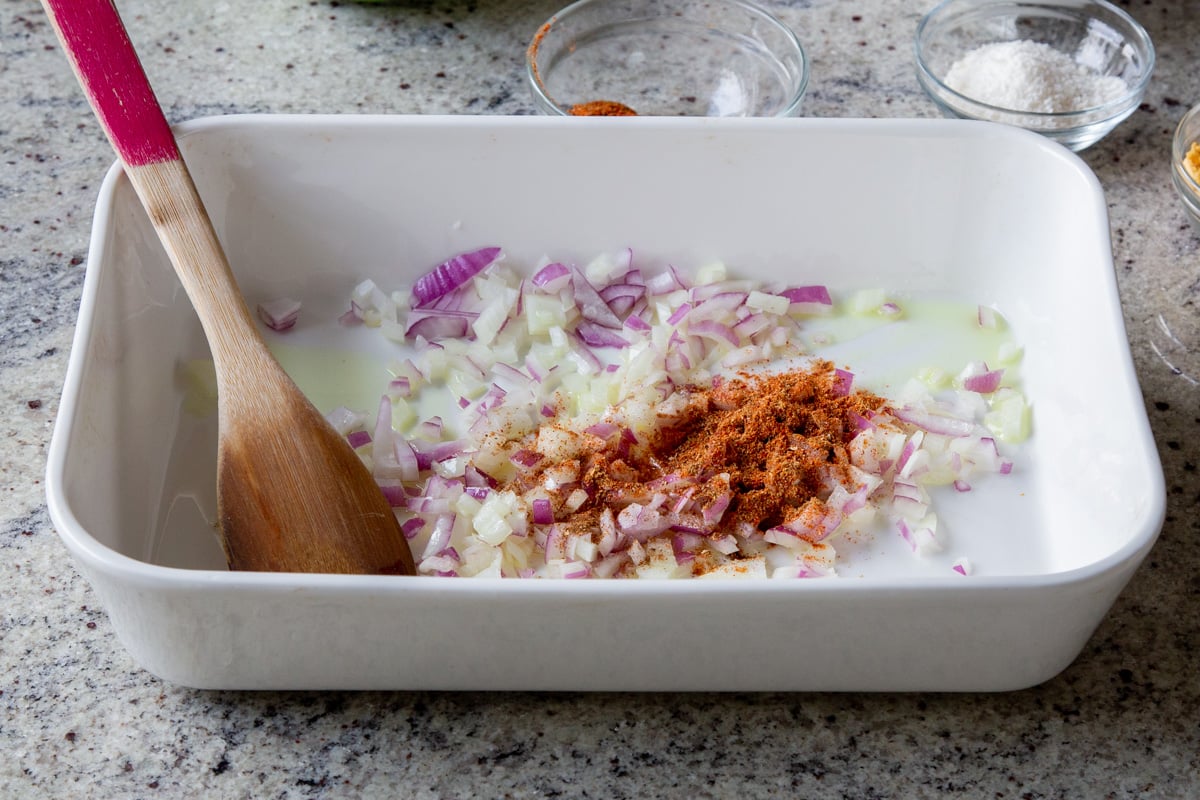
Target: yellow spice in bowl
1191 161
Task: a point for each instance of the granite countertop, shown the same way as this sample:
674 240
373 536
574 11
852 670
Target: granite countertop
78 718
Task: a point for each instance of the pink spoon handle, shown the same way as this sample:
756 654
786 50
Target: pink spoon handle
94 38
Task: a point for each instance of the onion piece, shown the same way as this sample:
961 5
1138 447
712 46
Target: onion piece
543 512
808 300
394 494
678 314
712 329
279 314
988 317
591 304
412 527
844 382
595 335
935 423
713 512
621 297
451 274
433 324
343 420
984 382
552 278
634 322
665 282
357 439
808 294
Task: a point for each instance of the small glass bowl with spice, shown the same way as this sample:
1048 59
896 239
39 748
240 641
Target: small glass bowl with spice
720 58
1071 70
1185 158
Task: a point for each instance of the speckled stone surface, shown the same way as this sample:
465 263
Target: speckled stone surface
79 719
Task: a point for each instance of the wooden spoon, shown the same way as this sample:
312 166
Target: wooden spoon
292 495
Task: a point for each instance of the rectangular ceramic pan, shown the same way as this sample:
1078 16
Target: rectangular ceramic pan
308 206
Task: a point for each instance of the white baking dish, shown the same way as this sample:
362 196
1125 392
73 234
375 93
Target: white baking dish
307 206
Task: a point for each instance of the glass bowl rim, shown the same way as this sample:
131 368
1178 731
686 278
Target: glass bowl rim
1178 152
544 101
1087 116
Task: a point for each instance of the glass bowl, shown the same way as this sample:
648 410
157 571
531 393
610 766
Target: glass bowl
1187 133
1076 108
717 58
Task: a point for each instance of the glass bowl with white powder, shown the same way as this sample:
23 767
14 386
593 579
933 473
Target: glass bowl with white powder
1071 70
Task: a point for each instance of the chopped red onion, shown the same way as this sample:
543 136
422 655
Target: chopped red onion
343 420
429 505
411 528
400 387
843 383
633 276
576 569
433 324
543 512
279 314
357 439
716 304
439 539
584 353
451 274
679 313
665 282
474 476
609 565
935 423
726 545
751 324
510 373
621 297
395 495
808 294
527 459
714 330
556 544
553 277
636 323
713 512
597 336
985 382
591 304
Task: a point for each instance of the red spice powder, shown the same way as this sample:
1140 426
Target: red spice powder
778 438
601 108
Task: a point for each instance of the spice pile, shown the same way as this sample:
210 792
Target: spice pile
602 108
740 458
1191 161
1030 76
772 443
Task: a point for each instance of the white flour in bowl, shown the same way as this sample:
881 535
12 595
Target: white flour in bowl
1031 76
